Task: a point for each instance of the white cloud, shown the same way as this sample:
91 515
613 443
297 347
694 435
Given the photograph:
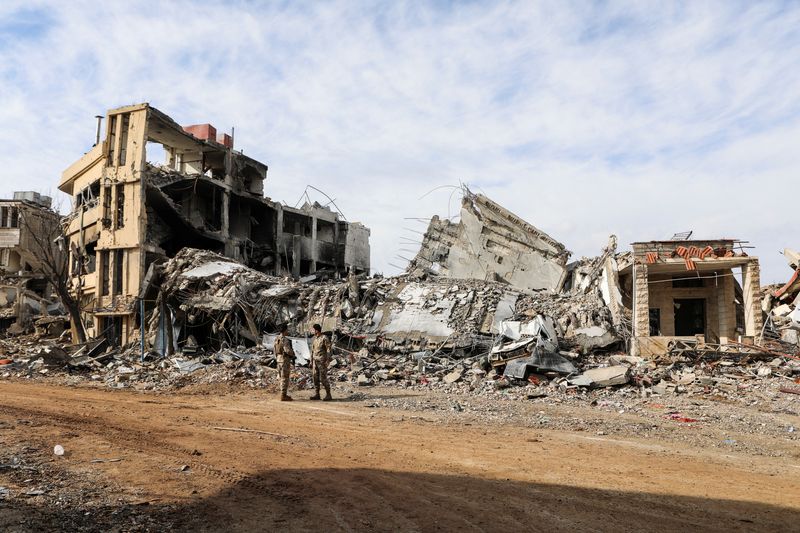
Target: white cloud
641 119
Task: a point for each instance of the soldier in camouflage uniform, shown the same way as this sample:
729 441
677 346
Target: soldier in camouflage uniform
320 358
284 355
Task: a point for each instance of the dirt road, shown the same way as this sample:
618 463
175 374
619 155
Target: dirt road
139 461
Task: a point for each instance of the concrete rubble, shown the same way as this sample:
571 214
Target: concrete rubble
781 304
26 296
150 188
491 243
212 319
472 336
185 270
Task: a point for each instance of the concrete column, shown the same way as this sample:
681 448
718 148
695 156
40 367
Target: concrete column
297 255
726 307
226 223
341 265
751 286
641 301
314 250
614 295
278 239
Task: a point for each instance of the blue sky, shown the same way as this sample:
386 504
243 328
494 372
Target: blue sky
586 118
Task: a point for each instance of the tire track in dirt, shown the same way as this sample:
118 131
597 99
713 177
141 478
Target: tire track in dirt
131 439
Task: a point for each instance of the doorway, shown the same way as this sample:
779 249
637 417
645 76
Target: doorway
690 317
111 329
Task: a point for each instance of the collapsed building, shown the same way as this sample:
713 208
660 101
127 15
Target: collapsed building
666 315
782 306
207 302
130 213
188 255
24 292
492 244
662 296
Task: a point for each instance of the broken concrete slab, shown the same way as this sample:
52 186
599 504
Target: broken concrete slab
591 338
603 377
552 362
512 347
454 376
782 310
540 362
490 242
214 268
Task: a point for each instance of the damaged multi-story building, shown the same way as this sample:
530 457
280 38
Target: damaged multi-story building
24 291
491 243
658 296
687 290
130 213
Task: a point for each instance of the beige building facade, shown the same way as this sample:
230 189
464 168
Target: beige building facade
692 290
151 187
24 292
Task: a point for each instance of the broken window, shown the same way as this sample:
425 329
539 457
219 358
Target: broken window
119 257
111 329
326 231
239 219
120 214
9 217
123 138
296 224
89 196
107 206
262 225
154 153
655 322
93 191
91 258
74 262
105 269
112 137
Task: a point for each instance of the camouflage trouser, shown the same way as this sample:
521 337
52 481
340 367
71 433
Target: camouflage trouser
284 370
320 373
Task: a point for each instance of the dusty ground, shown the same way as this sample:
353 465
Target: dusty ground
380 460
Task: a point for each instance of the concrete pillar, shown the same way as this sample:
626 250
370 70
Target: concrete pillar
751 287
314 250
278 239
612 280
297 255
340 237
641 301
226 223
726 306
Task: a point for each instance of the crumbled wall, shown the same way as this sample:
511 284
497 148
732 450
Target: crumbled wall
490 243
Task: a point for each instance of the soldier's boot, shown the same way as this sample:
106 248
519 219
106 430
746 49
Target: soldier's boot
286 398
328 396
316 396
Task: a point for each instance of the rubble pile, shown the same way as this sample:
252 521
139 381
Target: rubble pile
213 318
782 305
214 302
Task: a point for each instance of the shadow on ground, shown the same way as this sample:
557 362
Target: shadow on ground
375 500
